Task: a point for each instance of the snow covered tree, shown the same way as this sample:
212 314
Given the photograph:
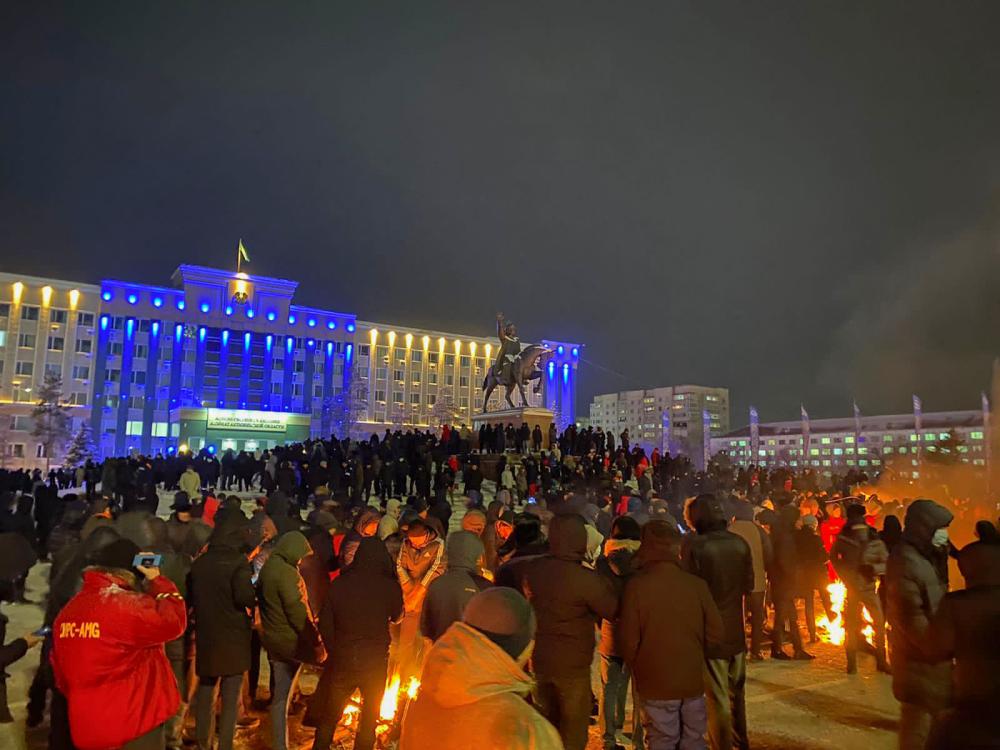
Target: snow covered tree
82 448
51 417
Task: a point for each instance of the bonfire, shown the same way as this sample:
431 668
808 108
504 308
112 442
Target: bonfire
390 713
834 631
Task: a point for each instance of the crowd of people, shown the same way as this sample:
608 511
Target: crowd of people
349 564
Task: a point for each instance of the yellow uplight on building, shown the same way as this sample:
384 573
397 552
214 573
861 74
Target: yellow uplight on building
441 344
409 340
373 335
392 338
489 348
46 295
426 342
18 291
472 348
74 298
458 345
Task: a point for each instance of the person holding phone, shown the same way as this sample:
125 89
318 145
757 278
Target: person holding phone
108 641
10 653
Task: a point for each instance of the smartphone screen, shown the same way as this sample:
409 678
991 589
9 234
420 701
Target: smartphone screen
146 560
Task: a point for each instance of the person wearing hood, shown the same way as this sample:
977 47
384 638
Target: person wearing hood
279 508
965 629
499 527
569 600
917 580
784 577
389 524
473 688
669 624
354 622
108 641
724 561
449 593
190 483
527 539
366 525
859 557
616 564
222 594
286 621
759 542
421 560
474 520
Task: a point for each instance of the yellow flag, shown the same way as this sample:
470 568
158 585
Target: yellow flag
243 253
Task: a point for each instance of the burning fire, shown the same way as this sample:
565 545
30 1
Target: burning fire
834 632
387 709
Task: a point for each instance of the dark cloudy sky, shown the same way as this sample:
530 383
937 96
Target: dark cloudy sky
797 200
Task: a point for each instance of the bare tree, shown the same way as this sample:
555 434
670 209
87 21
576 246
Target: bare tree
444 410
51 417
349 407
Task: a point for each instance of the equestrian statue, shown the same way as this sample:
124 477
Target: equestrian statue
513 367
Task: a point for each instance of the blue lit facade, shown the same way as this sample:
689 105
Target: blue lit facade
137 360
215 340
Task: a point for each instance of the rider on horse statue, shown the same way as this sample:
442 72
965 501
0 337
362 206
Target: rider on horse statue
510 347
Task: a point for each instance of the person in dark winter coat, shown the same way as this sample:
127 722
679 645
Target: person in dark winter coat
10 653
859 557
965 628
365 526
724 561
285 618
448 594
784 573
617 565
668 622
354 622
917 580
812 578
568 600
222 594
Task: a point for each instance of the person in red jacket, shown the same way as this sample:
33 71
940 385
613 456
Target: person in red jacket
108 656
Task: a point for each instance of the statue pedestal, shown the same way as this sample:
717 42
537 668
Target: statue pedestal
533 415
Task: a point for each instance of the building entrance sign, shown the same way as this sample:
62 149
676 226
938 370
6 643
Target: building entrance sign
246 420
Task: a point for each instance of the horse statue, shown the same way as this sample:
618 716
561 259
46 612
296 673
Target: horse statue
525 368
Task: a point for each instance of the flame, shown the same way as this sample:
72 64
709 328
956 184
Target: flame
834 631
390 699
389 706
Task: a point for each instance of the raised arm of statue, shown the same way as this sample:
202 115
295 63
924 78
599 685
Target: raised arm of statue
500 334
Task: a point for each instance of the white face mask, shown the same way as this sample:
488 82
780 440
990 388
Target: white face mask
940 538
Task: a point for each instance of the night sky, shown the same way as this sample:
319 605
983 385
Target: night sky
799 201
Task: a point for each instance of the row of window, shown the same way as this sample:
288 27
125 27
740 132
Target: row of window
56 316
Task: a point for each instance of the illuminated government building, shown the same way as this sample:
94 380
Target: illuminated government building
223 360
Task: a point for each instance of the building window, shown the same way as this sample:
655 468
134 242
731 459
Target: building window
28 312
4 310
431 399
380 396
24 368
85 319
57 316
26 340
56 343
416 356
15 450
415 398
397 397
84 346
